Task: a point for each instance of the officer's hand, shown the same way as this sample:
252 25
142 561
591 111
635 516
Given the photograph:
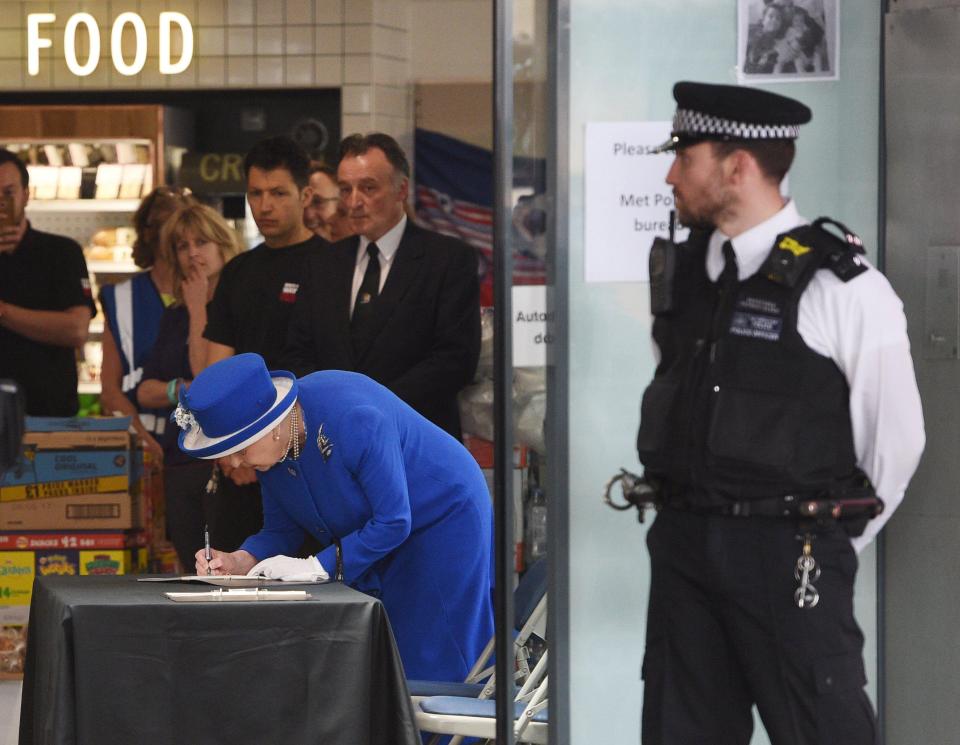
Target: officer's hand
291 569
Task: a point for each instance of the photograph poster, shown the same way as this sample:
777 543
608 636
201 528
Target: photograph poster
784 40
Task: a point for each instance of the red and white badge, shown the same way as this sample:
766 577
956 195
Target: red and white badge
85 286
289 292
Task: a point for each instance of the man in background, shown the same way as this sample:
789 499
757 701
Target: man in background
254 300
395 302
325 215
45 301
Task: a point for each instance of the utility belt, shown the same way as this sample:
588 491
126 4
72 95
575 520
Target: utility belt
854 504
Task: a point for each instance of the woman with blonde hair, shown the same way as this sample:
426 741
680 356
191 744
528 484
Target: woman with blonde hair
197 243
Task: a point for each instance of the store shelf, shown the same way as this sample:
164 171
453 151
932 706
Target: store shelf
96 327
112 267
83 205
92 386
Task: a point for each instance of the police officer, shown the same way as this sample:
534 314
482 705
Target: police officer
783 400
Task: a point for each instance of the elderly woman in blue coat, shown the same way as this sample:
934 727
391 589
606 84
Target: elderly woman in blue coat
402 506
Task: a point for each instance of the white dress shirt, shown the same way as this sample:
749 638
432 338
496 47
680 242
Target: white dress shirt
860 325
388 243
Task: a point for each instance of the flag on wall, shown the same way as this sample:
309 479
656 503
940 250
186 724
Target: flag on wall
454 196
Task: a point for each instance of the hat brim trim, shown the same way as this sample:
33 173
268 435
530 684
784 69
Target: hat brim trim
193 442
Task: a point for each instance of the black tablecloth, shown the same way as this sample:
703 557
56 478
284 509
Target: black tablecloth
111 660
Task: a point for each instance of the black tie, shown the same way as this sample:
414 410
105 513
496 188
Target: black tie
728 277
363 307
369 287
726 289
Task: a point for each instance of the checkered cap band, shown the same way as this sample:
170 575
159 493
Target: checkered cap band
698 124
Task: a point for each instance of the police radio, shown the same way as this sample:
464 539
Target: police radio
663 267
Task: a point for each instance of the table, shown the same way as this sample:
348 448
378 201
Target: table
111 660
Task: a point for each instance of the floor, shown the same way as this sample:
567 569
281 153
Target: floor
10 711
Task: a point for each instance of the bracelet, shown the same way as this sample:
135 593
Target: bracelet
172 391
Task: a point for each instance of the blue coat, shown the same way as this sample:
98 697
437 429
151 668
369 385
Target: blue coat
410 507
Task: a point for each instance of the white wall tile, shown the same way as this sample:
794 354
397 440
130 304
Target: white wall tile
329 39
211 13
99 79
187 7
211 72
355 123
358 11
391 42
211 41
357 99
390 71
269 12
328 70
240 41
240 71
240 12
11 44
357 68
299 71
150 78
11 74
269 40
270 72
328 11
393 13
298 12
299 40
357 39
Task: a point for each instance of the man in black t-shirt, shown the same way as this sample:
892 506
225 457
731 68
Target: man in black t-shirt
45 301
255 296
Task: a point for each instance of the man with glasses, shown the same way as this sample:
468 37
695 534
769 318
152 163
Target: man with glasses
325 215
45 301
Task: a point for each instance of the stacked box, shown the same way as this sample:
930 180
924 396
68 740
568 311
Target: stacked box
72 473
25 556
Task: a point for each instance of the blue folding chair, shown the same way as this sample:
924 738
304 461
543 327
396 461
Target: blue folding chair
463 716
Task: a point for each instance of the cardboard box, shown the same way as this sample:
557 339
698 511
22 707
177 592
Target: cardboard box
39 541
114 511
17 572
63 457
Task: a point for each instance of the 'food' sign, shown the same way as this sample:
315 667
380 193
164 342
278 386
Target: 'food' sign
36 41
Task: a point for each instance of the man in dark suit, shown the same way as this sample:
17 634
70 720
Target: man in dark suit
395 302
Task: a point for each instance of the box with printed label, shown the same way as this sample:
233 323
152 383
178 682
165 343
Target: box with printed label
62 457
116 511
79 539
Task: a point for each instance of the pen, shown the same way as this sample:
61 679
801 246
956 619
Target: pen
206 546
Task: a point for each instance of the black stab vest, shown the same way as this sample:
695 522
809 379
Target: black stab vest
740 407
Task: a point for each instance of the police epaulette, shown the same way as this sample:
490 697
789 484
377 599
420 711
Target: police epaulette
844 258
807 248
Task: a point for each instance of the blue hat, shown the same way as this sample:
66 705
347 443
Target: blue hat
232 404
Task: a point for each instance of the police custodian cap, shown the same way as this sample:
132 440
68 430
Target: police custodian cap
706 111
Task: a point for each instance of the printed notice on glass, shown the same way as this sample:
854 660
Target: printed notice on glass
627 198
533 327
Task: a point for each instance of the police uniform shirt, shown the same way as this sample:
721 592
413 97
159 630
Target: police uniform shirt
387 244
48 273
860 325
255 297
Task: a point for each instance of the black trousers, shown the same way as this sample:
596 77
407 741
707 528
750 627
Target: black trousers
233 513
724 633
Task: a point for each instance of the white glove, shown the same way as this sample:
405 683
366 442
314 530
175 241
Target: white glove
290 569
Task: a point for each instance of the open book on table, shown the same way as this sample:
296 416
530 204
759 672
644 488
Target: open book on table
222 580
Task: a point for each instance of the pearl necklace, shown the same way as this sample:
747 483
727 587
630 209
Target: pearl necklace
294 439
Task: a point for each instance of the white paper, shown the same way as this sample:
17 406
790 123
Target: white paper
532 325
627 199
